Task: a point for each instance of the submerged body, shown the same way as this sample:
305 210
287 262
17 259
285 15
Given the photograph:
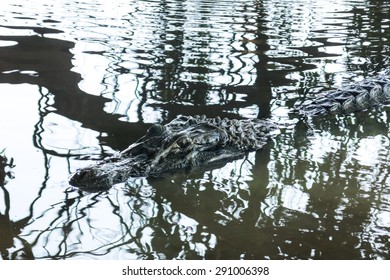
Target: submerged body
190 142
185 143
356 97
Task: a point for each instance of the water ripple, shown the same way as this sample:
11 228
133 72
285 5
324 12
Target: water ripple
93 74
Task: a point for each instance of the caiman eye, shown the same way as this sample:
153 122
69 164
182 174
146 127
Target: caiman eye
183 142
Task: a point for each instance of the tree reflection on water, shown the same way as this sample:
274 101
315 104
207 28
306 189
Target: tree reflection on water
320 194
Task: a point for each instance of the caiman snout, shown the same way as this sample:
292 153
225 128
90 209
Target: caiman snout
88 178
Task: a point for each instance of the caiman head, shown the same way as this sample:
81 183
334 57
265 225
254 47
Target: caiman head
183 144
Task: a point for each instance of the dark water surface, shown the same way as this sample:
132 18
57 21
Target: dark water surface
82 79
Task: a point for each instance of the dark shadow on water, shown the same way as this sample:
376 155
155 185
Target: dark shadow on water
50 63
10 230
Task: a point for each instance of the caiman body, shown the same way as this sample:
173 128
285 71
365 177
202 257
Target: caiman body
371 92
188 142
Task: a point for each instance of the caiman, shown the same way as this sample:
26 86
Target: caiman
189 142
